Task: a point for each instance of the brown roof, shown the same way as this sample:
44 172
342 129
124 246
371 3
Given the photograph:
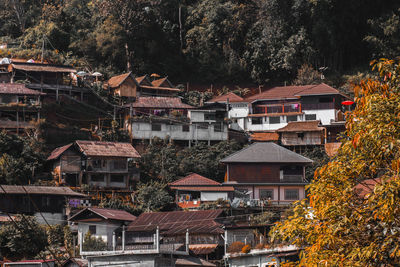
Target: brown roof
302 126
107 214
263 136
17 89
42 67
39 190
140 79
7 124
202 249
160 82
275 114
205 188
107 149
192 261
332 148
293 92
161 88
58 151
176 222
194 179
159 102
366 187
116 81
231 96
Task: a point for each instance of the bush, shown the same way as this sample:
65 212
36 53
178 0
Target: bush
259 246
235 247
246 249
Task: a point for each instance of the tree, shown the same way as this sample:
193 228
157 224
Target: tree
306 74
91 243
152 196
24 240
336 226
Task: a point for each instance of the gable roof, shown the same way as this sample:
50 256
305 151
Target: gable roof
39 190
159 102
302 126
17 89
143 80
223 98
116 81
177 222
107 149
194 179
107 214
58 151
294 92
264 136
267 152
163 82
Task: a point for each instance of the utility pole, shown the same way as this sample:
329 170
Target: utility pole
42 48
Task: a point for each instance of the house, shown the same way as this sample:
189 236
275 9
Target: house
195 189
202 230
98 164
267 172
127 86
47 201
31 263
302 133
19 105
100 222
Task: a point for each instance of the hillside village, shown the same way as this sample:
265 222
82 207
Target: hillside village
199 133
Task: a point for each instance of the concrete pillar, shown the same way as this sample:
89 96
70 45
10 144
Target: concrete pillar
225 241
81 242
123 238
158 239
114 241
187 240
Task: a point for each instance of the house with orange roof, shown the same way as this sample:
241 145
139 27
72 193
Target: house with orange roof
195 189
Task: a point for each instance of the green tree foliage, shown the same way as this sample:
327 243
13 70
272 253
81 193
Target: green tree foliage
91 243
306 74
319 158
152 196
24 240
337 226
20 158
115 134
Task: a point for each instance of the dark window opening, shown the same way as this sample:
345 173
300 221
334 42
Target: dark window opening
256 120
120 164
117 178
156 127
292 118
218 127
266 194
92 229
311 117
291 194
97 177
274 120
185 128
300 135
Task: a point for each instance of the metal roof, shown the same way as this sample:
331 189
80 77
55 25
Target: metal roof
223 98
107 214
17 89
116 81
58 151
267 152
39 67
39 190
107 149
217 188
194 179
159 102
302 126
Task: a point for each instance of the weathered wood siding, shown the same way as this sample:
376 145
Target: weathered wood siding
302 139
254 172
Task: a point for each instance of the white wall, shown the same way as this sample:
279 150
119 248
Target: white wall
213 196
323 115
238 110
51 218
103 230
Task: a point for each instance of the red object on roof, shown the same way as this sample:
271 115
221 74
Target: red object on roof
107 214
177 222
223 98
159 102
17 89
294 92
302 126
194 179
347 103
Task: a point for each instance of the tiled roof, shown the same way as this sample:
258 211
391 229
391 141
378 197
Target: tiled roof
42 67
366 187
194 179
260 137
202 249
266 152
107 149
231 96
302 126
17 89
205 188
116 81
176 222
58 151
6 124
159 102
108 214
39 190
293 92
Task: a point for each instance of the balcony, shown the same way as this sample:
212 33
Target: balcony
277 108
318 106
292 178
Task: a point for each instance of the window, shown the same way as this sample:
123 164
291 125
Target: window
203 126
292 118
92 229
257 120
291 194
266 194
218 127
300 135
156 127
274 120
117 178
119 164
311 117
97 178
185 128
209 116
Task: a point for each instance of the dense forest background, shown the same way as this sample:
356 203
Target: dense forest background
204 41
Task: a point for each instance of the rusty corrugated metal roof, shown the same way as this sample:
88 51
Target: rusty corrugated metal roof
17 89
205 188
107 149
58 151
177 222
38 67
264 136
194 179
159 102
116 81
202 249
302 126
39 190
223 98
107 214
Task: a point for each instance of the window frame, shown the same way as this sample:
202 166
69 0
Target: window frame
290 191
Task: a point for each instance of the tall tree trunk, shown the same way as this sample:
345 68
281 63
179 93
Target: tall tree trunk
128 58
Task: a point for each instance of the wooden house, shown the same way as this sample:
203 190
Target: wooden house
302 133
101 223
267 172
95 163
195 189
48 201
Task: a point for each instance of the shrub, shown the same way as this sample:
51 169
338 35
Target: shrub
235 247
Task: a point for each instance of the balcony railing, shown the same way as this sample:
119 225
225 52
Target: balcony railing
317 106
292 178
